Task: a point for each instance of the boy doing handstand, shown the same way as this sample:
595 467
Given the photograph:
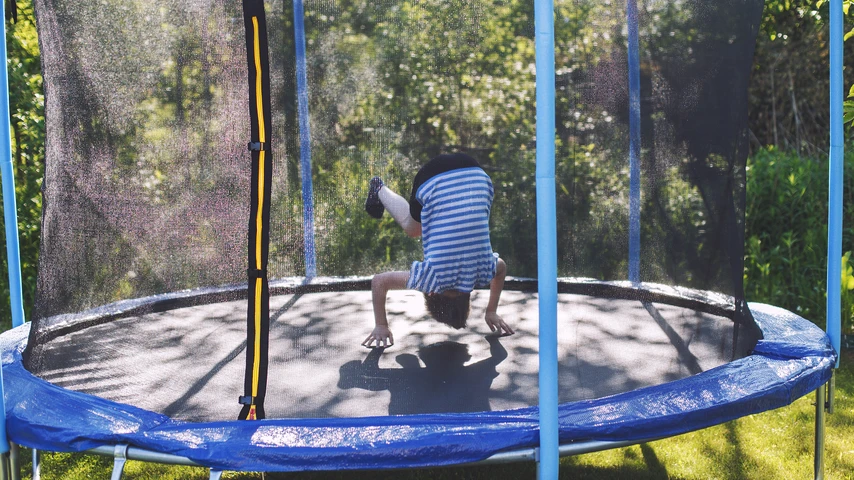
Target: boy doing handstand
449 209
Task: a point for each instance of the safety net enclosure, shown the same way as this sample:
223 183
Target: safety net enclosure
181 270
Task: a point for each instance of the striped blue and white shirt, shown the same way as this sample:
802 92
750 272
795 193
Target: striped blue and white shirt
455 232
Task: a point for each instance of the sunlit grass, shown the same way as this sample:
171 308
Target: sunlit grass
771 445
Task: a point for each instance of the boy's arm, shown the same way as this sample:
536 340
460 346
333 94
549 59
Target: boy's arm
380 285
495 322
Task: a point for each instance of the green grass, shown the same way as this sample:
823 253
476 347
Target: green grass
771 445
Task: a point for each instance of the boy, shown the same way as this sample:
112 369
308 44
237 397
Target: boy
449 208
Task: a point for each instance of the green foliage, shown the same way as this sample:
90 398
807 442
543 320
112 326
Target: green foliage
393 85
848 105
469 92
789 90
847 295
786 231
472 91
846 7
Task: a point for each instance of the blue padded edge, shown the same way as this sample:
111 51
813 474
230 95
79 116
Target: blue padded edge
793 359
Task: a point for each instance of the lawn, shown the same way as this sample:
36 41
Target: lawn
771 445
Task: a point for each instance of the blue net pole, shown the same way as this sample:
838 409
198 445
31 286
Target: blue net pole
549 456
305 142
834 220
13 251
634 142
11 218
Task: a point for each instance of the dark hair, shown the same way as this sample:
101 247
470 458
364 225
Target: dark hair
446 353
453 311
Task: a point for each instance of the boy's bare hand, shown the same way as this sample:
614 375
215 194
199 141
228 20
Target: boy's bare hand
497 324
381 336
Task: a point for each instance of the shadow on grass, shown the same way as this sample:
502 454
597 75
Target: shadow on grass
75 466
493 472
653 464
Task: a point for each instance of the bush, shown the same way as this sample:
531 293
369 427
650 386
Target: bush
786 231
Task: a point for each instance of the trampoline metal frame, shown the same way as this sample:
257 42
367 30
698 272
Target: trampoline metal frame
824 394
651 292
124 452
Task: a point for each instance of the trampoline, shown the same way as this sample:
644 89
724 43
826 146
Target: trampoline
180 272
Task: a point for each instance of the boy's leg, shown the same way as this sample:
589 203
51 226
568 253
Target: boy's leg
398 207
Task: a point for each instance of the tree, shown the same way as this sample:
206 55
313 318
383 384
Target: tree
789 88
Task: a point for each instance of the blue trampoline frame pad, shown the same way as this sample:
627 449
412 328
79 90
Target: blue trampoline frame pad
794 358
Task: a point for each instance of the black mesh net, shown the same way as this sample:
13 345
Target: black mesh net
147 180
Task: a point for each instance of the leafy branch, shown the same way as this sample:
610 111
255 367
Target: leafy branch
848 105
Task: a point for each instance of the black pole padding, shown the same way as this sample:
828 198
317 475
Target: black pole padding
258 306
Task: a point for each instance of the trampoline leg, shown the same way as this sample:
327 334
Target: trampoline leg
5 467
831 388
37 465
120 458
819 432
15 461
216 474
